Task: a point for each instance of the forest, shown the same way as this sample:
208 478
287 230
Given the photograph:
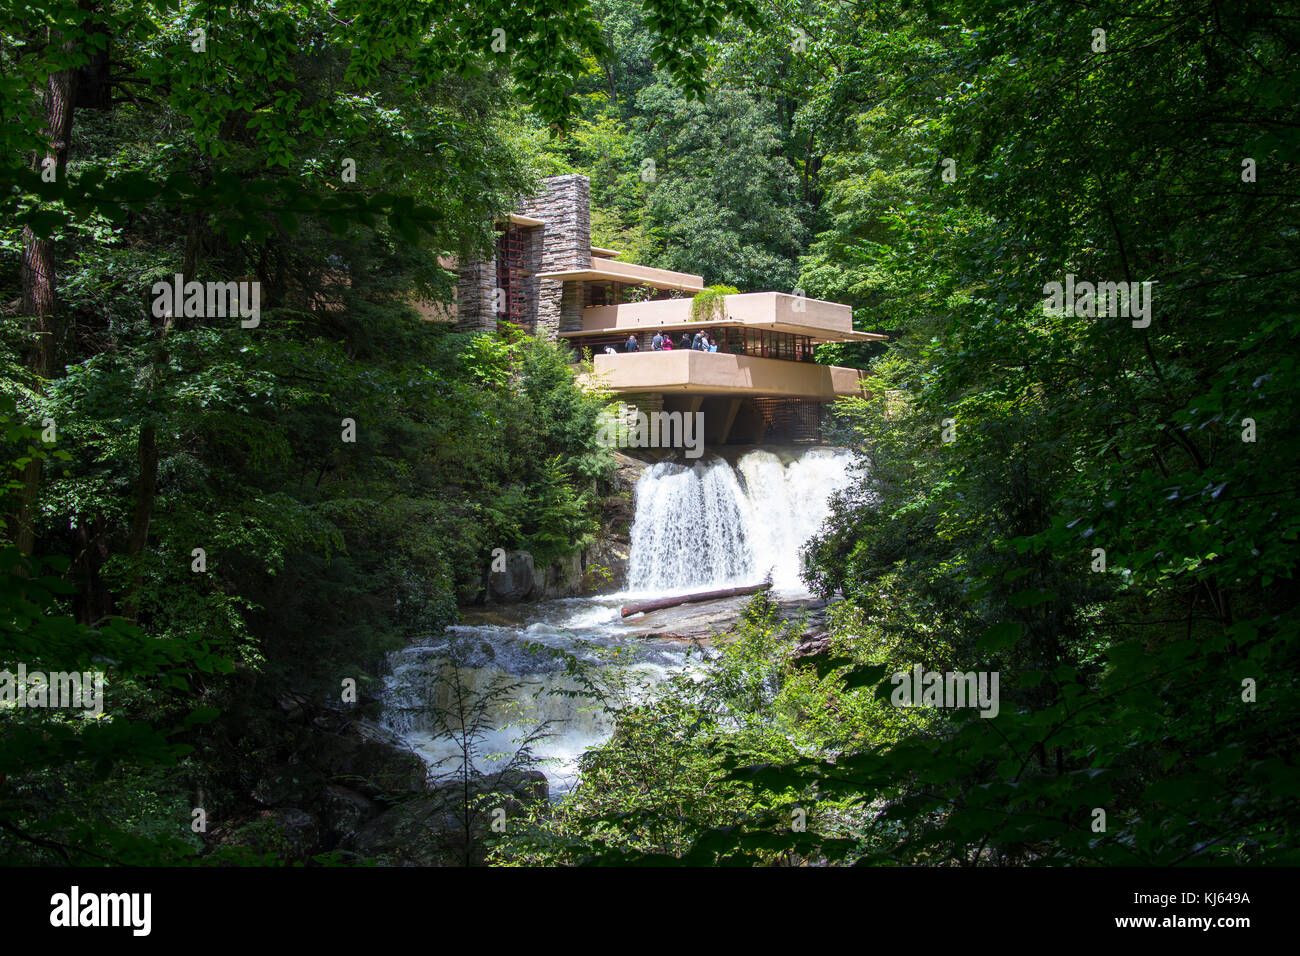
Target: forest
1077 453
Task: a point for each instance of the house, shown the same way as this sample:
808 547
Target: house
762 383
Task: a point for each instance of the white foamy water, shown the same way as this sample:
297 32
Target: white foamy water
710 525
457 674
696 527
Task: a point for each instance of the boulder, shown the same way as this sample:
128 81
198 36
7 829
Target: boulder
430 830
516 582
813 645
562 578
285 784
516 787
298 831
344 811
371 760
605 565
528 786
418 832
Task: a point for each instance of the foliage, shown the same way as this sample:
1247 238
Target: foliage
295 496
710 303
1082 505
68 778
660 788
467 715
1099 509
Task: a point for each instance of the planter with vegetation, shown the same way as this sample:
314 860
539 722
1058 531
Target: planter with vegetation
709 304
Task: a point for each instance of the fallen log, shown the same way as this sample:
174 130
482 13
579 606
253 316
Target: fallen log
645 607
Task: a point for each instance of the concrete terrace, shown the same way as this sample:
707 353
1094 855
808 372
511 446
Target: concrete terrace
761 383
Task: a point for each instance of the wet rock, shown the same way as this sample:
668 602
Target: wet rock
562 578
627 471
604 564
516 582
605 561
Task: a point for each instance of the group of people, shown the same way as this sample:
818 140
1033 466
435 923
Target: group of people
700 342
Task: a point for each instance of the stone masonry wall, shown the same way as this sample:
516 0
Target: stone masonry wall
564 242
565 206
474 290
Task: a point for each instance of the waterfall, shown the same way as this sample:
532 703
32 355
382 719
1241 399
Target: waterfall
710 525
700 526
691 529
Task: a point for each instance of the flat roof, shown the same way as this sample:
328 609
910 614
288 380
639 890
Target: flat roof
602 251
656 278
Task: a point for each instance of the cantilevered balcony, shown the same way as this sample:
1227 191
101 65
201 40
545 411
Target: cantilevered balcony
604 269
720 373
814 319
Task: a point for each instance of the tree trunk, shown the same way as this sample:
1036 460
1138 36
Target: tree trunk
146 485
38 279
661 603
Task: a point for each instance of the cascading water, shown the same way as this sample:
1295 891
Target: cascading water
698 527
711 526
691 529
505 674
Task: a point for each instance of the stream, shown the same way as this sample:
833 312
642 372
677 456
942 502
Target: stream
710 524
